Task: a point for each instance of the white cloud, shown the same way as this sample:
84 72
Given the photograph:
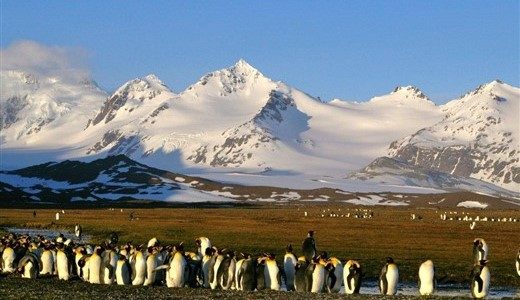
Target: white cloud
41 60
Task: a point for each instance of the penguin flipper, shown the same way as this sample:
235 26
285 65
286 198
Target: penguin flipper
383 283
480 283
162 267
349 278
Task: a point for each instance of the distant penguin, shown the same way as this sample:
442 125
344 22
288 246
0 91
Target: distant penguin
245 277
62 264
29 266
139 271
226 271
334 278
176 275
123 271
518 263
480 280
480 250
95 266
318 277
272 274
389 278
309 246
289 267
352 277
57 216
47 260
427 278
78 231
214 279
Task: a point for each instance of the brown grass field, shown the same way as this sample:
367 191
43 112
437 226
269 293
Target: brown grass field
269 228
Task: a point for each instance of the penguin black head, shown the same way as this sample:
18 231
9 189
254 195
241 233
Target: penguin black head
150 250
330 267
389 260
310 233
271 256
122 257
324 255
198 242
483 262
289 248
316 259
209 251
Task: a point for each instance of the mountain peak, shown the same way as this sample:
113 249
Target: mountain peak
409 90
242 67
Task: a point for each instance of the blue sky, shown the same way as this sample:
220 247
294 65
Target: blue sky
351 50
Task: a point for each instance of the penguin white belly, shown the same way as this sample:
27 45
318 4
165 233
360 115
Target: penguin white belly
86 271
175 275
289 267
204 244
151 264
94 269
352 285
205 270
122 273
486 277
318 279
63 265
55 260
47 263
28 270
426 277
140 269
518 267
8 257
271 275
238 279
214 280
392 277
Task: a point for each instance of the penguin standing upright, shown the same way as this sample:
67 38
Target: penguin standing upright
110 259
207 265
260 273
480 250
352 277
8 258
139 271
389 278
480 280
518 263
29 266
62 263
245 274
95 266
47 260
214 271
123 271
303 275
78 231
427 278
334 277
318 276
176 275
226 271
289 267
273 278
203 243
151 264
309 246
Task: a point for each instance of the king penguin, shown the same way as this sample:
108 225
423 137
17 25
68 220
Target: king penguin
207 265
245 277
62 263
480 280
151 264
29 266
318 276
352 277
123 271
8 258
214 278
176 275
226 271
260 273
480 250
309 246
47 260
272 274
427 278
389 278
110 259
139 271
335 275
289 267
95 266
203 243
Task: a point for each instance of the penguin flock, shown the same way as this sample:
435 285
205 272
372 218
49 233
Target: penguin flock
209 267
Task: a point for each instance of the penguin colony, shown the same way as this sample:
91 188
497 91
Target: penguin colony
209 267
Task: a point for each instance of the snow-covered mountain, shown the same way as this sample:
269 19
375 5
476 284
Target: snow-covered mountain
478 137
34 110
238 121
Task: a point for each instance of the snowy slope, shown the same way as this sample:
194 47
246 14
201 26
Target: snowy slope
478 137
34 110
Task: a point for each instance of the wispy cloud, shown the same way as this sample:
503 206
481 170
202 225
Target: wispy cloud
69 64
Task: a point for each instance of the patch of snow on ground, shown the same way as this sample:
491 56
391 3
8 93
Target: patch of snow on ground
472 204
372 200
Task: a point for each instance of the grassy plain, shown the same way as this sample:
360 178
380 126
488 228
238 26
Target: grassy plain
269 228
